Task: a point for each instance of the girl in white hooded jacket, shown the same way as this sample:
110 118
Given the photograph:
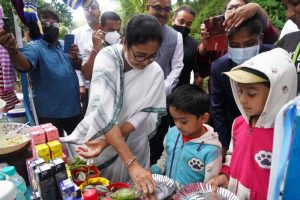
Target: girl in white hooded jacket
261 86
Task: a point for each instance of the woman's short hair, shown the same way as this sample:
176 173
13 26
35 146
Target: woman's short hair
253 25
185 8
141 29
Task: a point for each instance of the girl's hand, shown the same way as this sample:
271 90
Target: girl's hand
94 148
142 178
218 181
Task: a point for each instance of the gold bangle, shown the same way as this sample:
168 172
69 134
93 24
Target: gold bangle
129 162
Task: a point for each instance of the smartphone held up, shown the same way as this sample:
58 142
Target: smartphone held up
6 24
217 40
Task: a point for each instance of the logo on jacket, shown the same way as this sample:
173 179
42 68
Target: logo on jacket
264 159
196 164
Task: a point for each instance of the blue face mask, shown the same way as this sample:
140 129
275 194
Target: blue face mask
240 55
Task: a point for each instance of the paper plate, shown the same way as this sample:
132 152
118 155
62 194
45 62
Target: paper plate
202 191
164 186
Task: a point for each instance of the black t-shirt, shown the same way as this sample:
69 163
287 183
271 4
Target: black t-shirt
189 49
290 42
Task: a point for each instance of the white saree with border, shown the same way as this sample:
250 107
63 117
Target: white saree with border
115 98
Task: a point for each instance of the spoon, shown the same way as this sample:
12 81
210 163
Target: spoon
13 133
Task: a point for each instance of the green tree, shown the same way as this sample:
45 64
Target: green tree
275 11
130 8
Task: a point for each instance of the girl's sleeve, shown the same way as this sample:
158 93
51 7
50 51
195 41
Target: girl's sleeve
213 168
226 166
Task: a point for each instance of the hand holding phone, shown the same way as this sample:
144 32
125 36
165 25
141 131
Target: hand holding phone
214 25
69 40
6 24
218 39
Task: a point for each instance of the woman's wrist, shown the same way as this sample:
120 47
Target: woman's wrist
130 162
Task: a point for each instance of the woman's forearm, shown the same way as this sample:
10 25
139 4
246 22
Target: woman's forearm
115 138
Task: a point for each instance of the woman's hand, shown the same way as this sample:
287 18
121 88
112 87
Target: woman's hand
142 178
218 181
94 148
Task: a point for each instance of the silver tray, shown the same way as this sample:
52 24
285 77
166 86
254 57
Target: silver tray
202 191
164 186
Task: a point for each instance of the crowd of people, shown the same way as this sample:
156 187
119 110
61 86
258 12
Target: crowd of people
125 99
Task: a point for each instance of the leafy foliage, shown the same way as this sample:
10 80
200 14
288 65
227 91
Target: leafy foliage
131 7
275 11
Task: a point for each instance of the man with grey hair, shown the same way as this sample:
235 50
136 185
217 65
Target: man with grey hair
171 62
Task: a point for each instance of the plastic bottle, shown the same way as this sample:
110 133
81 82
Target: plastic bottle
18 181
9 190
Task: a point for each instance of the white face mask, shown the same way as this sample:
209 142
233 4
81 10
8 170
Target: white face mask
112 37
128 61
240 55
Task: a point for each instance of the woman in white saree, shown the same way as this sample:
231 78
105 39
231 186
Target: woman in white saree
127 98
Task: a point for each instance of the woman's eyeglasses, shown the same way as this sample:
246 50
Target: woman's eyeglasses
159 8
48 24
139 58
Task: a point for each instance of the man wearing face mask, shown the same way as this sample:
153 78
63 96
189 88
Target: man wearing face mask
107 35
182 22
52 74
244 42
171 62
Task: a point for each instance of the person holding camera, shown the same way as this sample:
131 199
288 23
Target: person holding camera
52 73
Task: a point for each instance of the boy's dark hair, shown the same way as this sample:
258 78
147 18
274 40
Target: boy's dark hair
253 25
141 29
109 15
185 8
189 99
48 14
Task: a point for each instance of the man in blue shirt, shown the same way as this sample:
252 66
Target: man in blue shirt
54 81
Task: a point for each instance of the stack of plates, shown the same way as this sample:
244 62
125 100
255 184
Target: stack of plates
202 191
164 186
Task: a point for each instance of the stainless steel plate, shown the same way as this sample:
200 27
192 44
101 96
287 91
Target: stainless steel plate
164 186
202 191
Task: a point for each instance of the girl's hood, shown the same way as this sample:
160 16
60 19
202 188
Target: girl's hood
279 68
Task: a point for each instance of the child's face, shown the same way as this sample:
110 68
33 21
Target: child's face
292 10
243 39
253 97
188 124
